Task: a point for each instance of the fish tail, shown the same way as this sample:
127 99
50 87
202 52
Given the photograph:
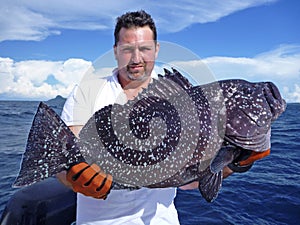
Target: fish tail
51 148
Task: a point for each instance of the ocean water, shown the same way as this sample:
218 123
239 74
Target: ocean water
267 194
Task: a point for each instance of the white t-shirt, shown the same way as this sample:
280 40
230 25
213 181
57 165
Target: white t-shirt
142 206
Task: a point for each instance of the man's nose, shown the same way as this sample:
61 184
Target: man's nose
136 56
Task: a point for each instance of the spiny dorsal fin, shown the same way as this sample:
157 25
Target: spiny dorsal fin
177 77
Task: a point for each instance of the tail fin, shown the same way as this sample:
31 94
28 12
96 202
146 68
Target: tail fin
51 148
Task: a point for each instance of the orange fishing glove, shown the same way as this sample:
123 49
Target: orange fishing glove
253 157
246 159
89 180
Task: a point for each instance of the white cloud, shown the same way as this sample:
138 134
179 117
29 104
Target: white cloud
281 63
292 94
35 19
281 66
28 79
20 23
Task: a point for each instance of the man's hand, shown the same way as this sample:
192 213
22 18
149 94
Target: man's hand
246 159
89 180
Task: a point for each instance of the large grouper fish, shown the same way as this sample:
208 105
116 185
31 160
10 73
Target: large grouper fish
171 134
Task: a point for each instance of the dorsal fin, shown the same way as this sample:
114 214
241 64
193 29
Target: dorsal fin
170 84
177 77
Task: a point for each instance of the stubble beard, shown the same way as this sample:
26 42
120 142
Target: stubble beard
137 77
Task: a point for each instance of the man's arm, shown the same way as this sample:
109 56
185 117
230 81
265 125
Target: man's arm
241 164
194 185
76 130
86 179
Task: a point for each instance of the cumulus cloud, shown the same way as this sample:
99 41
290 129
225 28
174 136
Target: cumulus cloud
280 63
280 66
292 94
30 79
35 20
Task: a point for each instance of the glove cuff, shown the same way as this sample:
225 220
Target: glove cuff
246 159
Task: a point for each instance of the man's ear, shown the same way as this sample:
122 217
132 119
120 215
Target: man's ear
157 49
115 52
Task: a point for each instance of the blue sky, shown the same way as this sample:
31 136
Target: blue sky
46 46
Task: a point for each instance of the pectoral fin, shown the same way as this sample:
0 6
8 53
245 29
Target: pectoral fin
210 184
224 157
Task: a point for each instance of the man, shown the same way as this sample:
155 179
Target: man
135 50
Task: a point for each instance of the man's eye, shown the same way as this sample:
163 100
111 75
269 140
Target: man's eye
127 49
145 49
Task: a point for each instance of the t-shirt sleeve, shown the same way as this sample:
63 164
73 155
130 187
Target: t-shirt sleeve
79 106
76 110
67 112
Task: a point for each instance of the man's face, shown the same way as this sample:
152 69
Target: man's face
135 53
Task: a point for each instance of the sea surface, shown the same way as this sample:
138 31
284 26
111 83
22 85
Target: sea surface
267 194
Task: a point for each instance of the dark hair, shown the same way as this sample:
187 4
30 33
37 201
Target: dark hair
134 19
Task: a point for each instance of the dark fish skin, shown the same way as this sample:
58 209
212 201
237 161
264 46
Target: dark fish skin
51 146
228 112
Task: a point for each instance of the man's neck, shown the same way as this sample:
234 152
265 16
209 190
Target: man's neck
132 88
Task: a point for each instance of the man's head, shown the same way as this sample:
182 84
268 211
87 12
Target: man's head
134 20
135 48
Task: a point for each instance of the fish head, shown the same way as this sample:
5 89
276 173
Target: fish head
250 109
